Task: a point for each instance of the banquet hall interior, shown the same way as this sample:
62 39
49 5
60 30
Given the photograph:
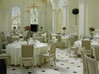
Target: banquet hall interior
49 37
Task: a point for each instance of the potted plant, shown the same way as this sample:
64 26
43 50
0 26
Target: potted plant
75 11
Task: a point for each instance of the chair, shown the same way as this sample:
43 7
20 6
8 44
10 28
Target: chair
1 47
5 57
3 54
71 47
2 36
96 52
15 39
59 41
59 38
87 45
92 65
85 67
48 37
51 53
75 37
26 54
71 38
9 39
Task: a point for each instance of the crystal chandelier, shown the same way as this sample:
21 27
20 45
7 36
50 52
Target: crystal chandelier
31 5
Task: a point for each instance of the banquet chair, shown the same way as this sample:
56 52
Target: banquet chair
92 65
2 36
59 41
0 43
75 37
51 54
38 34
26 55
85 67
9 39
48 37
1 47
3 54
71 40
71 48
87 45
96 52
39 38
15 39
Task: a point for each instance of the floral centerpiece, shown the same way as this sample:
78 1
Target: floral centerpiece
14 30
91 29
41 28
64 28
27 29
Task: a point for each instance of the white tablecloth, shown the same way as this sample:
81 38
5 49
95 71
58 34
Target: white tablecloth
14 50
65 41
79 44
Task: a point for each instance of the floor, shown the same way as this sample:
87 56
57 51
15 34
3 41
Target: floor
64 65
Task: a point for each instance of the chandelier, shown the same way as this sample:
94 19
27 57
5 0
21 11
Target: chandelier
33 5
30 6
45 0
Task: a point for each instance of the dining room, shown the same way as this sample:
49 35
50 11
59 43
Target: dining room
49 36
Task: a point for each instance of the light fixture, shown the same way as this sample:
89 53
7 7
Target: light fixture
31 5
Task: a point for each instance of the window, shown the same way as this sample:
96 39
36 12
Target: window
16 21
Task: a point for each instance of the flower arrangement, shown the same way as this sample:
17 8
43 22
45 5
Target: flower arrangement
27 28
41 28
64 28
92 29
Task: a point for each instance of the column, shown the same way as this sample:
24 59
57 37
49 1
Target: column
86 18
67 23
65 15
81 17
53 20
6 29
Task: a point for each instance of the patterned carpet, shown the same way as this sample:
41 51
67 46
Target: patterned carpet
64 65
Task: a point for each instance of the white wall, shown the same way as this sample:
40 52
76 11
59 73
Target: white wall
90 16
5 14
